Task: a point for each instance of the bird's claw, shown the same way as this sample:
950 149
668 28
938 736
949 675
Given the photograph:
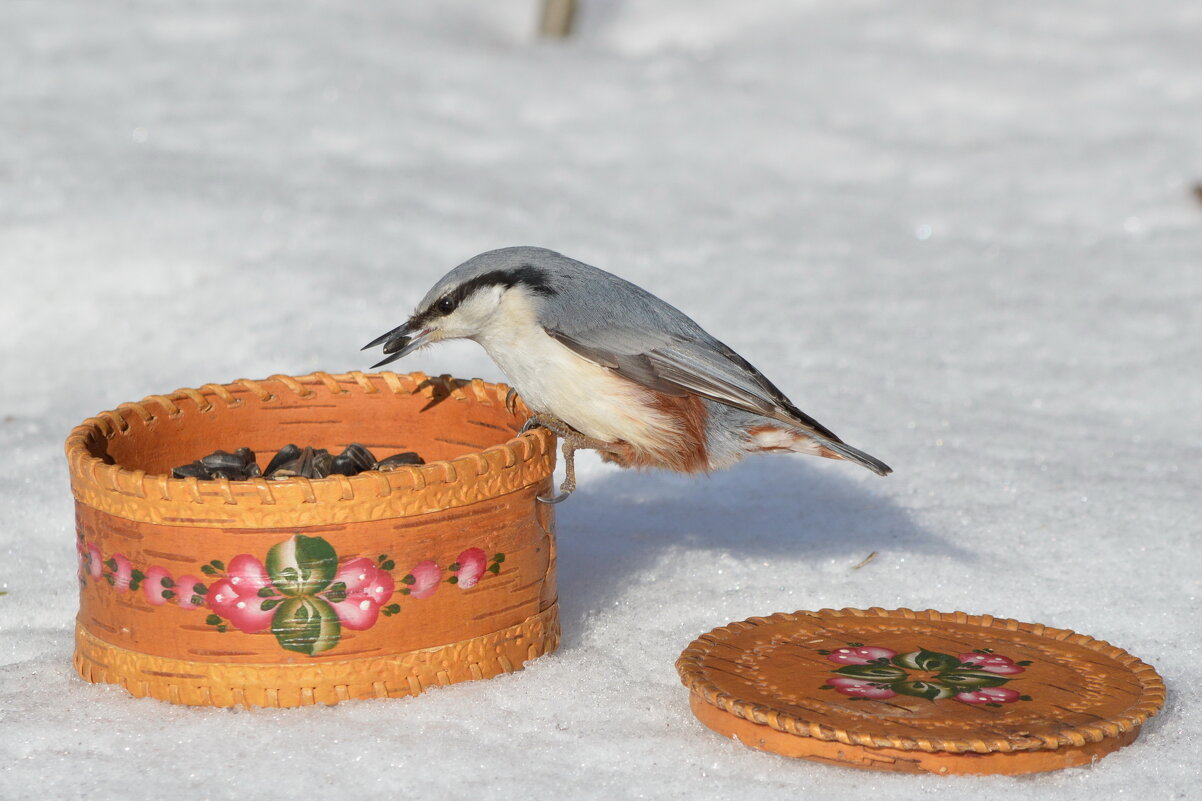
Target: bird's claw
511 405
560 498
572 441
569 481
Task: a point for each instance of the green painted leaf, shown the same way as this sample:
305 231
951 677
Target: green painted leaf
499 557
212 620
387 564
208 570
453 567
971 679
882 673
336 592
217 563
409 579
926 660
307 625
302 565
494 568
922 689
270 603
200 589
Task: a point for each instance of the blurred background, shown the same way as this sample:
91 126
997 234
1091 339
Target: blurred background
963 235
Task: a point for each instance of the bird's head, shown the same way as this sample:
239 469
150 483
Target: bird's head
469 300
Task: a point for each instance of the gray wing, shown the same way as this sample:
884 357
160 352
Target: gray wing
679 365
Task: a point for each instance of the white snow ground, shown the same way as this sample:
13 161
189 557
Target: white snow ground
959 234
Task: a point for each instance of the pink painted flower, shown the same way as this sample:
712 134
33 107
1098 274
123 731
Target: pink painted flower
158 586
247 574
380 588
991 663
241 605
860 656
471 567
242 594
95 562
123 572
989 695
359 614
367 588
185 592
356 574
426 575
860 688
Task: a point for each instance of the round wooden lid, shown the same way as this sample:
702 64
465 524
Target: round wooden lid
919 692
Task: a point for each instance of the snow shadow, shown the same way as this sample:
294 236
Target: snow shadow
765 509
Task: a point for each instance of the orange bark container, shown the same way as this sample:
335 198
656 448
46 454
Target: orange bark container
293 592
919 692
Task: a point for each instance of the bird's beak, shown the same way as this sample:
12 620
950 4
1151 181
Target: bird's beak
399 342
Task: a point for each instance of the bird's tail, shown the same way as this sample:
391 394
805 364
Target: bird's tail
845 451
769 438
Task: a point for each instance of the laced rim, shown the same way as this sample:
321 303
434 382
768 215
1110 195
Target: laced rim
519 462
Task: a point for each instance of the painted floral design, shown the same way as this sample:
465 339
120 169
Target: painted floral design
360 590
872 672
422 581
302 592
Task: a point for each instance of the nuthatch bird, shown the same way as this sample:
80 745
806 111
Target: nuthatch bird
609 366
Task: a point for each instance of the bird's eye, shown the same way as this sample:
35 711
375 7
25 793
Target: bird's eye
445 305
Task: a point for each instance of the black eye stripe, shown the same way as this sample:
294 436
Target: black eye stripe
531 277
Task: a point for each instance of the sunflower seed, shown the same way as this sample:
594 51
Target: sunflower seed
398 460
353 460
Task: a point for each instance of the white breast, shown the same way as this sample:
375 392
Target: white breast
552 379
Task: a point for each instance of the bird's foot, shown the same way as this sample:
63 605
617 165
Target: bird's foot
569 480
562 430
511 404
573 440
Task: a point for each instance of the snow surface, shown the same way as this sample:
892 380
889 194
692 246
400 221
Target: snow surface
959 234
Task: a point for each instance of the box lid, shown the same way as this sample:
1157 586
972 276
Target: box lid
920 692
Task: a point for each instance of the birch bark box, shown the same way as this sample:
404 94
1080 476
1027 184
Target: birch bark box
302 591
